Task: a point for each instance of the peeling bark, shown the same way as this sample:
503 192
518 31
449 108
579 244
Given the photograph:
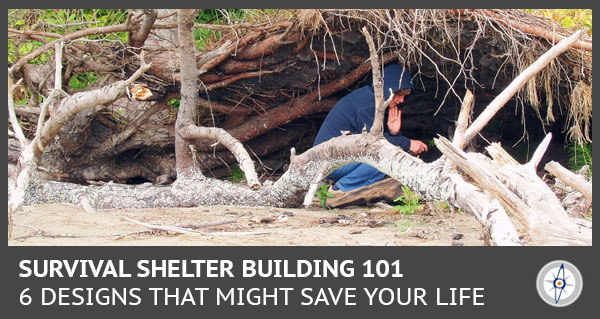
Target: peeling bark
185 127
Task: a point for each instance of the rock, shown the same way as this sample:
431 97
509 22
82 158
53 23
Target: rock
374 224
328 220
267 220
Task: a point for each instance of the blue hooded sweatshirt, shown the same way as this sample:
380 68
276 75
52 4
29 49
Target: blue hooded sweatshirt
357 109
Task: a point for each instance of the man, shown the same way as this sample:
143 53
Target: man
356 110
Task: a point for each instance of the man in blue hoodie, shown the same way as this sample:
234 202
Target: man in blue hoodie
356 110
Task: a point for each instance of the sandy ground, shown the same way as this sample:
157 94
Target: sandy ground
57 224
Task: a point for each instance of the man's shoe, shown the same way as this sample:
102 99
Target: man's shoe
335 192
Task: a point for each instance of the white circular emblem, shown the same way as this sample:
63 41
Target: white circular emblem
559 283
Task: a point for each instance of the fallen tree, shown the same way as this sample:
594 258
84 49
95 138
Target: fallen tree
436 181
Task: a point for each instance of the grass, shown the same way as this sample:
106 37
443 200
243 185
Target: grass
411 202
579 155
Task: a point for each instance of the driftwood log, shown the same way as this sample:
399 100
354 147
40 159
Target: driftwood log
576 181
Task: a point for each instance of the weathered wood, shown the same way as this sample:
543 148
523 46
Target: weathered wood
386 190
463 119
576 181
377 127
238 150
173 229
500 155
521 191
308 198
187 113
516 85
539 153
137 39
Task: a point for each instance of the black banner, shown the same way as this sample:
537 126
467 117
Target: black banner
288 281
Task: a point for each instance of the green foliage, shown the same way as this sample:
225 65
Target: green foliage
174 103
431 143
580 155
82 81
323 193
443 206
237 175
21 102
205 37
60 21
411 202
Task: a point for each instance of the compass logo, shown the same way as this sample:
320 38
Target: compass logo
559 283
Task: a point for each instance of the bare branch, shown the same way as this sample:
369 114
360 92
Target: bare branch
138 38
71 36
521 191
377 127
213 54
238 150
173 229
516 85
463 119
50 100
11 112
208 224
58 49
576 181
539 152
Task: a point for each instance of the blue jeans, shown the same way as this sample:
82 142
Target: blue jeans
355 175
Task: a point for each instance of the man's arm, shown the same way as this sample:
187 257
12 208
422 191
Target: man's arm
398 140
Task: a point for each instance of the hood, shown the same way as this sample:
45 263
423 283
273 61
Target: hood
395 77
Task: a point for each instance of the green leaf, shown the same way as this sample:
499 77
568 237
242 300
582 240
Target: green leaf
567 22
323 193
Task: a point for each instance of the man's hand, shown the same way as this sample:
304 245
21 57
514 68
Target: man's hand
418 147
394 121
